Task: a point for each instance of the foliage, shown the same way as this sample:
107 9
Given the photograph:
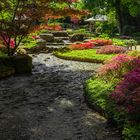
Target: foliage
84 55
134 53
104 35
117 67
131 131
136 34
119 42
2 54
82 46
124 11
30 41
98 92
111 49
131 42
19 17
101 42
77 37
127 94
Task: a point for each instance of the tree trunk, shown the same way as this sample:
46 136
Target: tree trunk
119 15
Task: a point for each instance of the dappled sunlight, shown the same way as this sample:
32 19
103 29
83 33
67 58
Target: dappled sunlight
65 103
93 118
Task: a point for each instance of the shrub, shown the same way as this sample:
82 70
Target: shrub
127 94
131 43
118 66
3 41
102 42
110 49
134 53
104 36
77 37
131 132
82 46
98 92
119 42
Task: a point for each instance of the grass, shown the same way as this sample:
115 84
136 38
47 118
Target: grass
84 55
29 45
97 94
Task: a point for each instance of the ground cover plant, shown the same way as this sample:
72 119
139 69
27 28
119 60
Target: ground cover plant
111 49
84 55
81 46
114 92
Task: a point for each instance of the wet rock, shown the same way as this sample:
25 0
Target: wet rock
47 37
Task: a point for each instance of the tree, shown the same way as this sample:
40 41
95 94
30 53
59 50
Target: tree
17 17
127 11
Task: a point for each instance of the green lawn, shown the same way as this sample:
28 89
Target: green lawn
84 55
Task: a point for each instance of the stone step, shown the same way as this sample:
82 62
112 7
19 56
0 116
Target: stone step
62 38
60 34
57 44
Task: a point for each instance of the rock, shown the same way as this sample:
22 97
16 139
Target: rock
22 64
77 37
58 40
60 34
41 42
21 51
47 37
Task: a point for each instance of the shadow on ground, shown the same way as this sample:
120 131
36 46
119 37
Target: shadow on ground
49 105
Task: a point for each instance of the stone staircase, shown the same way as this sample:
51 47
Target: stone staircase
55 40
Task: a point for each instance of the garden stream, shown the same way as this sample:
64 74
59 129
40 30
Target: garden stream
49 104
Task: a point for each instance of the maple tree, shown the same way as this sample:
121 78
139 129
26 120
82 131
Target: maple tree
18 17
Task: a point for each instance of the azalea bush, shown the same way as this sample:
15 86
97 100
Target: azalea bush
111 49
127 94
118 66
82 46
4 41
101 42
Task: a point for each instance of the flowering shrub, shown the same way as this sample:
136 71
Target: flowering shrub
47 27
110 49
82 46
35 37
127 94
102 42
3 41
53 27
118 66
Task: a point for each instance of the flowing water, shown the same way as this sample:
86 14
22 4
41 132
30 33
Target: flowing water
49 104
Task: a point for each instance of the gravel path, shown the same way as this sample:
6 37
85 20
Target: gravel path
49 105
